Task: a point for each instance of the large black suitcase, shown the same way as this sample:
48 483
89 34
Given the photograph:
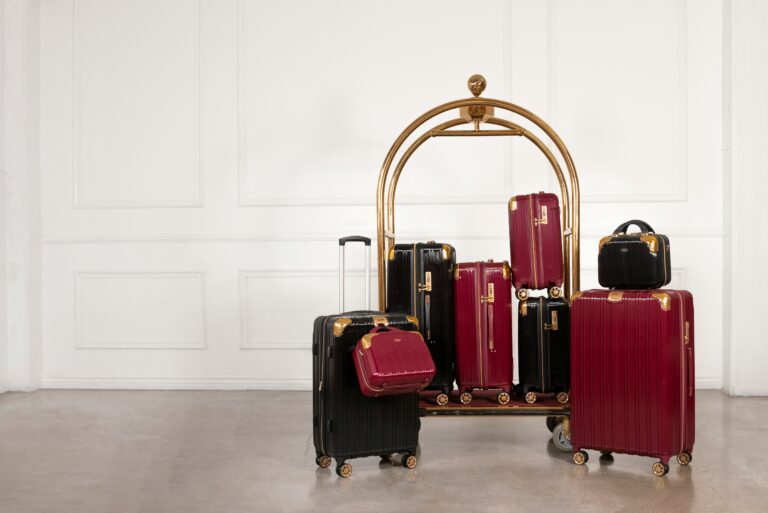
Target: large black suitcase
634 260
543 344
420 283
346 424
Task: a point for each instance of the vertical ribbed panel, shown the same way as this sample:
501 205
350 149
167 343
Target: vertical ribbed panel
468 337
628 373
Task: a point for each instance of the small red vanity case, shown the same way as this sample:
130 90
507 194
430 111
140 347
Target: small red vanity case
390 361
536 245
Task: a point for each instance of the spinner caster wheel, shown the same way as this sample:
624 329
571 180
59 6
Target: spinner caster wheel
561 441
580 457
385 458
465 398
530 397
323 461
441 399
344 470
562 397
555 292
660 468
522 294
684 458
552 423
503 398
408 461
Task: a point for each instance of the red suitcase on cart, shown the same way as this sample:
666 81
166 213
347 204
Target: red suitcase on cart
391 361
632 374
483 329
536 246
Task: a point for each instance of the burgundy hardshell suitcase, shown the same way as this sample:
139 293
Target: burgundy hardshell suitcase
536 246
632 374
391 361
483 329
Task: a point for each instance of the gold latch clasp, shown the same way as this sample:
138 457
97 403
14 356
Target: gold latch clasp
553 325
687 336
426 287
489 297
543 219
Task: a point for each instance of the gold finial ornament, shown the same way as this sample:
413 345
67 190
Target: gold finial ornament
476 84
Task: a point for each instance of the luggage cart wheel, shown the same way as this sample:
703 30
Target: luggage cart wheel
522 294
503 398
561 441
552 423
442 399
580 457
554 292
562 397
465 398
344 470
530 397
660 468
684 458
323 461
409 461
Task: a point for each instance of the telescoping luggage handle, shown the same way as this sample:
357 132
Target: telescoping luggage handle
342 246
644 227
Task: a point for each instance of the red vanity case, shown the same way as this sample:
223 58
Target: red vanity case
390 361
536 246
632 374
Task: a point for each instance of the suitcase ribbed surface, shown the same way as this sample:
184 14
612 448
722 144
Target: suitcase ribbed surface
632 372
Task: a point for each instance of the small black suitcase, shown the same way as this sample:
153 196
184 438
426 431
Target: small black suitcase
420 283
346 424
634 260
544 347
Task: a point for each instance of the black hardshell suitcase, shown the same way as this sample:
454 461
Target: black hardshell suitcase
420 283
346 424
634 260
544 347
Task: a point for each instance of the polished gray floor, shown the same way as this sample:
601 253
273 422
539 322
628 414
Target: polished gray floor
230 452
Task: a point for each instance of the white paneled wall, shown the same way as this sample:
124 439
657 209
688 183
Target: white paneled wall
199 159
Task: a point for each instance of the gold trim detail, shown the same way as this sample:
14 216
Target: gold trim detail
552 326
446 252
576 295
367 340
652 241
513 203
380 320
687 336
542 219
506 271
489 297
426 287
391 255
615 296
456 274
664 300
340 325
524 308
413 320
603 242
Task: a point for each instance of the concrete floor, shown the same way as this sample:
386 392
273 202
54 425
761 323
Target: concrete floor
230 452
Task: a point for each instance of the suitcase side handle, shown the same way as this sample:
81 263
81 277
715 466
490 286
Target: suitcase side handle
644 227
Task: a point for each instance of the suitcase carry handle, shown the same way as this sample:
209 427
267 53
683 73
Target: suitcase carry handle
644 227
342 256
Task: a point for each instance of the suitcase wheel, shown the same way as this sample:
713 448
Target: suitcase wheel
606 457
562 397
522 294
555 292
442 399
684 458
660 468
465 398
561 441
552 423
580 457
503 398
344 470
385 458
323 461
530 397
408 461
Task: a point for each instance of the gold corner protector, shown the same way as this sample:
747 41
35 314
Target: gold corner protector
651 241
447 252
603 242
456 274
615 296
391 254
367 340
513 203
664 300
340 325
413 320
576 295
506 271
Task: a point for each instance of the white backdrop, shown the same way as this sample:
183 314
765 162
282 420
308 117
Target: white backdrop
198 159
